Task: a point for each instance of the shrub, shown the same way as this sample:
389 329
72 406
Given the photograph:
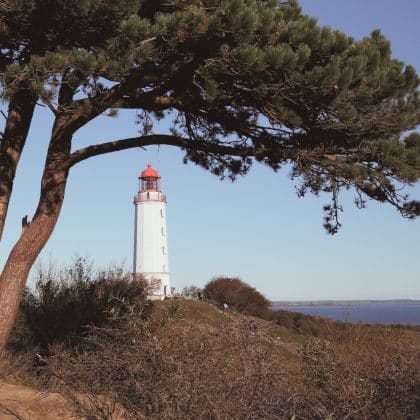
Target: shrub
368 376
237 294
65 303
307 324
176 370
189 369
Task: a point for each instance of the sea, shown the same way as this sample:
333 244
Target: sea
367 312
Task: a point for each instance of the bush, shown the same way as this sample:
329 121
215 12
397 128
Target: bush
237 294
190 369
307 324
65 303
176 370
367 376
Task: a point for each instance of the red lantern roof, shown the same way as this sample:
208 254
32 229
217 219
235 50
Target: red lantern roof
149 172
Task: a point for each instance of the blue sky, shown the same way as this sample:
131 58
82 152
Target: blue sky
256 228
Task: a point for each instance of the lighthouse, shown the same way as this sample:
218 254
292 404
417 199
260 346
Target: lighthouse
150 235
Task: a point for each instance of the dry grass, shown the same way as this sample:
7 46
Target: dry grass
221 365
364 374
189 359
179 368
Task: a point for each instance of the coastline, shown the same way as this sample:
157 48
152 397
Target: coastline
344 302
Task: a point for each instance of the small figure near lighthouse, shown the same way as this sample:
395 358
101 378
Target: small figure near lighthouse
150 235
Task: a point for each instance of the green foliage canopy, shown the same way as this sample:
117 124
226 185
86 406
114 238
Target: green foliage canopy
241 80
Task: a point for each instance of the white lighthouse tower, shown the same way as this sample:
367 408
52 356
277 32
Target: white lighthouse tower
150 235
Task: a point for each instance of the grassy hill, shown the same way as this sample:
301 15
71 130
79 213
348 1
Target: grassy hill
188 359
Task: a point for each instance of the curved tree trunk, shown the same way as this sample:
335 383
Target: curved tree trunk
36 234
20 112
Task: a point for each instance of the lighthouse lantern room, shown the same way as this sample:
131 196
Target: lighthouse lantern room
150 237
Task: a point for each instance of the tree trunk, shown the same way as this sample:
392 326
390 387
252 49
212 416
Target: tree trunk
19 117
37 233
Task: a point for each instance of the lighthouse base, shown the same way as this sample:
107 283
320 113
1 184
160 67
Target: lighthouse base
158 285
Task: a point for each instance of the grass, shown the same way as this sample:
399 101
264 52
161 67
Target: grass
183 358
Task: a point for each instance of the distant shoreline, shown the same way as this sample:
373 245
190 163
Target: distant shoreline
348 302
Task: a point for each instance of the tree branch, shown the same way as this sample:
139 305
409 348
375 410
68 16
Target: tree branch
149 102
158 139
49 105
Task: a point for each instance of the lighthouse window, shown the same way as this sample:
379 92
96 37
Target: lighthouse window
163 250
161 212
162 231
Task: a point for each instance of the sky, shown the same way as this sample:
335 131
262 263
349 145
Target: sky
256 228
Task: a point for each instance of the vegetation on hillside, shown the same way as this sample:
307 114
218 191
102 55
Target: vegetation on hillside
237 294
189 359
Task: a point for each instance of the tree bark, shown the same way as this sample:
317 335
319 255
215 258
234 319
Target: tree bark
37 233
20 112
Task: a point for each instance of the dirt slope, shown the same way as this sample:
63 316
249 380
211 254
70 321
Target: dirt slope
17 401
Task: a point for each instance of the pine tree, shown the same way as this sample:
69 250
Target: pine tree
241 81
